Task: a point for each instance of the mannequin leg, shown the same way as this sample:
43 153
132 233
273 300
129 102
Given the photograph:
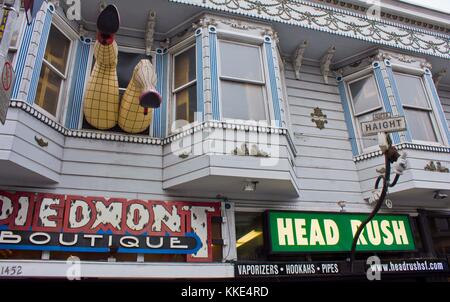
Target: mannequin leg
101 102
133 117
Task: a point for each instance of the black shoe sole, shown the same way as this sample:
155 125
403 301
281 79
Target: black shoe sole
108 22
150 99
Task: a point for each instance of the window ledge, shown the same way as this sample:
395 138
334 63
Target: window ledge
88 134
403 146
146 140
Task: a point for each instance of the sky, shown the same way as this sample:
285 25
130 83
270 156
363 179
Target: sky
440 5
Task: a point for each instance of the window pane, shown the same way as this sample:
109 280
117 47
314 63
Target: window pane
368 141
420 125
186 105
411 90
48 90
364 95
125 67
243 101
240 61
57 49
185 67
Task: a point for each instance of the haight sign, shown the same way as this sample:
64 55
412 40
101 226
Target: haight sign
300 232
52 222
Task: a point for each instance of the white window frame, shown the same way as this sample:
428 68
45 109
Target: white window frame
174 51
357 76
257 43
71 35
419 73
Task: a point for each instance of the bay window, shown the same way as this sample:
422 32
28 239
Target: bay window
418 111
242 83
54 72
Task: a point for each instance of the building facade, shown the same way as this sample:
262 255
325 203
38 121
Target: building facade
254 166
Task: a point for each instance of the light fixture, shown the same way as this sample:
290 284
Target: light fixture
250 186
248 237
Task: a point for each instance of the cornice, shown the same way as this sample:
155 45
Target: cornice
335 21
387 15
403 146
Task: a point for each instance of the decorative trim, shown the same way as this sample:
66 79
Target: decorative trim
438 76
336 21
160 114
403 146
150 31
273 81
78 81
41 142
319 118
348 115
438 167
139 139
40 55
254 151
297 58
437 101
325 63
388 15
214 73
199 59
397 97
384 95
98 135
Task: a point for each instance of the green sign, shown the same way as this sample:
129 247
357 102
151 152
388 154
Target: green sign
301 232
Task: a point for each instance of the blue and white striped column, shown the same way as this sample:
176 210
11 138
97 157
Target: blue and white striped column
160 114
215 101
77 88
348 115
384 95
31 54
44 32
438 105
199 67
273 81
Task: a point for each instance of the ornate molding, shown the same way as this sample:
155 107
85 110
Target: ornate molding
254 151
335 21
438 76
403 146
436 167
150 32
319 118
396 18
325 63
146 140
298 58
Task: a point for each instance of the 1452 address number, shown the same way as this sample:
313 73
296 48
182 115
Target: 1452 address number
11 270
